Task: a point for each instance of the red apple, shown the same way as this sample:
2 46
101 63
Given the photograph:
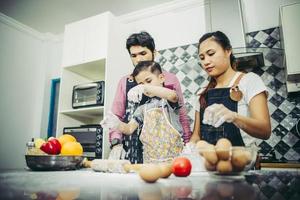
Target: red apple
52 147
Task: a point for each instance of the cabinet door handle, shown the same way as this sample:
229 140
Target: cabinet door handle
86 86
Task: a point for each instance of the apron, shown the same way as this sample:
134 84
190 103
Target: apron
226 130
161 141
131 143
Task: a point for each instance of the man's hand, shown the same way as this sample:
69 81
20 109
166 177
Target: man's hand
217 114
110 121
135 94
117 153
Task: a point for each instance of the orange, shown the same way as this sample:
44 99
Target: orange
71 149
66 138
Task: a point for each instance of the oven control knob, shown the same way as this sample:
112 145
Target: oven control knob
98 137
98 150
98 144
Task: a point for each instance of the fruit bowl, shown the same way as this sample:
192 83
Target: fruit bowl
233 160
53 162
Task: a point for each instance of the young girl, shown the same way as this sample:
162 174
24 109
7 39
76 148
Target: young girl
161 133
234 104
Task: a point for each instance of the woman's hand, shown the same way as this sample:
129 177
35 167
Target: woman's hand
110 121
189 148
217 114
135 94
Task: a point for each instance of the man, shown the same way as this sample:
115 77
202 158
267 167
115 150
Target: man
141 47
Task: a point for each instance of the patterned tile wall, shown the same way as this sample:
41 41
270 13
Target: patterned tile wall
284 110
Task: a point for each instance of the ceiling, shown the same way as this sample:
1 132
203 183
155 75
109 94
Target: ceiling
51 15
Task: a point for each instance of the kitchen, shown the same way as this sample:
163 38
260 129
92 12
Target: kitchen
41 55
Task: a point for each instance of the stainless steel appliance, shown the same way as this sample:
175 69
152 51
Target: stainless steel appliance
90 137
89 94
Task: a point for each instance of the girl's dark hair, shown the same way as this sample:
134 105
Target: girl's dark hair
143 39
224 42
152 66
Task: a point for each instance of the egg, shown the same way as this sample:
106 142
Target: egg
224 166
223 149
201 145
132 167
166 169
208 166
150 173
239 159
210 154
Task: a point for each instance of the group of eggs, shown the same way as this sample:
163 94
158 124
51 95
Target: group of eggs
152 172
222 157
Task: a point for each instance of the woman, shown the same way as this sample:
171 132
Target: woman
234 104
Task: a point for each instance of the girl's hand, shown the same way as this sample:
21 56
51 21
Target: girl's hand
217 114
110 121
135 94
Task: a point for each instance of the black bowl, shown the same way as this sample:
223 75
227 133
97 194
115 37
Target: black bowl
53 162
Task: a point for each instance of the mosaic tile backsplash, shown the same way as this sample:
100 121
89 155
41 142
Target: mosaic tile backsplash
284 143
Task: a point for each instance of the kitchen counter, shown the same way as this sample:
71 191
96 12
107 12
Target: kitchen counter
87 184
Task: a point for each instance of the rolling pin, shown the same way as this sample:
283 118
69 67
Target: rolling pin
113 166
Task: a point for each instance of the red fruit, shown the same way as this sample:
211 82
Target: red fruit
181 167
56 145
51 147
48 148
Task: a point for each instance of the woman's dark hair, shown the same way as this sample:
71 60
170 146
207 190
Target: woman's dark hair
224 42
143 39
152 66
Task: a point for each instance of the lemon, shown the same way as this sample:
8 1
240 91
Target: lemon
38 142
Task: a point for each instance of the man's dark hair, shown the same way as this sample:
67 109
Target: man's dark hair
152 66
143 39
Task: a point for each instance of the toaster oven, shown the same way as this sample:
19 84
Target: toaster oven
89 94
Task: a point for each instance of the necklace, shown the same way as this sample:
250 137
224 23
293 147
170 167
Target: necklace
235 93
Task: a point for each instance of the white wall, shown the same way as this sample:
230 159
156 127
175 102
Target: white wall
53 56
170 24
262 14
24 63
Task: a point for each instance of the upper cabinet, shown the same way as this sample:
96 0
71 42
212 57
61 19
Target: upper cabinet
290 24
86 40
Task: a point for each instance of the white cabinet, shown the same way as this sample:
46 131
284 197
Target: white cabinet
94 49
290 24
86 40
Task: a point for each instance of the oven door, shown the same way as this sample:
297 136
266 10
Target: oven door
89 138
84 95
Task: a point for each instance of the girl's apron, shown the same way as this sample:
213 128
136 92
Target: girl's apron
226 130
161 141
